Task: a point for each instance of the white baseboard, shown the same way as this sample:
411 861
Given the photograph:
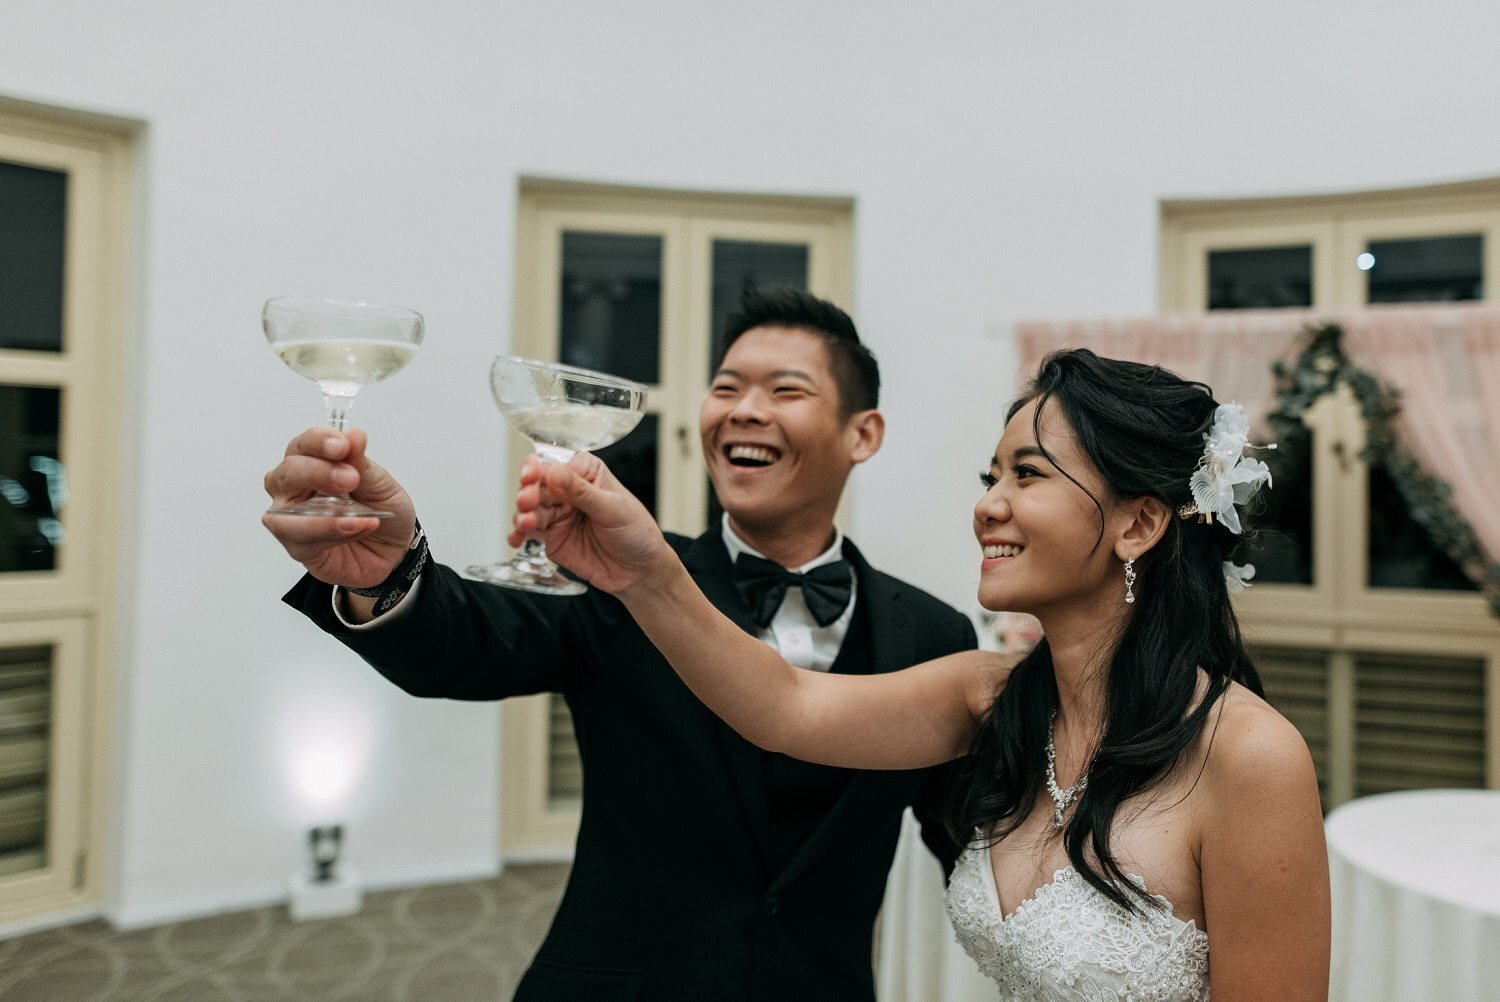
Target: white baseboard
161 913
182 910
523 856
53 920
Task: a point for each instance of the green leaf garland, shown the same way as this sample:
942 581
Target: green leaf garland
1319 370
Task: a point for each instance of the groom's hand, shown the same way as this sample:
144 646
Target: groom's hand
590 523
352 552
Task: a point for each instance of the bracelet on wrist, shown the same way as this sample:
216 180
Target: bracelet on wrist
399 582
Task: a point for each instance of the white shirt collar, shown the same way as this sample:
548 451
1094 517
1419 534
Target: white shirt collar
735 545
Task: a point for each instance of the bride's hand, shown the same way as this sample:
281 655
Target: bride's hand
590 523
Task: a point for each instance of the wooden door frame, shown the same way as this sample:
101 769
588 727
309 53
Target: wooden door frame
530 827
77 603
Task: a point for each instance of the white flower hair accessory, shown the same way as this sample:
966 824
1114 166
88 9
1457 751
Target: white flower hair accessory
1225 476
1237 578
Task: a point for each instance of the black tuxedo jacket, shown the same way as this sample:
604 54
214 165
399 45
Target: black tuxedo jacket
674 896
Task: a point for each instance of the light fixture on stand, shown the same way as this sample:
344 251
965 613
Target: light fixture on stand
324 842
326 889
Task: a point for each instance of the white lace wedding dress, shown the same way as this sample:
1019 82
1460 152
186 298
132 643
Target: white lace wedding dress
1070 943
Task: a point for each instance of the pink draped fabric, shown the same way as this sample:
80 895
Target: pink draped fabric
1232 351
1444 361
1446 366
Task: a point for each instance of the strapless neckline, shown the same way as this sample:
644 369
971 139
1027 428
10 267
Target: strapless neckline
1070 943
1070 873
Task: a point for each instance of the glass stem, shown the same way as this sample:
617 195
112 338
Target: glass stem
337 405
533 551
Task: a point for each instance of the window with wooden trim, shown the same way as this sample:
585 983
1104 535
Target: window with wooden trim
639 283
1433 244
1368 638
62 204
1393 679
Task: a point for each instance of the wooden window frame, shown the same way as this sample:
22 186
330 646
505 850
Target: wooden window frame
1340 615
532 828
1335 226
73 608
1344 617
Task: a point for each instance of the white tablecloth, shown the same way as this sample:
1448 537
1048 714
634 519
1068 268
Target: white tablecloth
918 956
1416 897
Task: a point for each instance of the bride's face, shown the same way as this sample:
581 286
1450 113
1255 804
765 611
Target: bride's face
1038 530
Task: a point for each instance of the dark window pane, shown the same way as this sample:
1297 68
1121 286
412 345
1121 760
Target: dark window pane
633 460
1280 540
1401 552
742 264
32 488
1260 278
1425 270
715 510
25 724
611 304
33 216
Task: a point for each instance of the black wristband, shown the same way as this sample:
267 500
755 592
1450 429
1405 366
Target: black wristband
393 588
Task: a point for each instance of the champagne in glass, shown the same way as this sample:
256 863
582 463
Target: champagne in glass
563 410
341 346
559 431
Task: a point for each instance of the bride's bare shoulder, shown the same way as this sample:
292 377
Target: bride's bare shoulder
1253 751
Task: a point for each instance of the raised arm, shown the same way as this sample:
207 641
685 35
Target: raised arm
447 637
902 720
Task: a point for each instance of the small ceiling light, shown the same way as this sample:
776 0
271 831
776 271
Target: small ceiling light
1365 261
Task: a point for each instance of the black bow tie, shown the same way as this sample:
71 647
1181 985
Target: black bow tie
763 584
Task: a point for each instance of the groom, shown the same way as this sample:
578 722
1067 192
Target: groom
706 870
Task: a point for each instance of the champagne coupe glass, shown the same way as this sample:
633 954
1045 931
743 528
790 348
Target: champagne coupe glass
563 410
341 346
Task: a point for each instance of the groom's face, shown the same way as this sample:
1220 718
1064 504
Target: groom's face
775 439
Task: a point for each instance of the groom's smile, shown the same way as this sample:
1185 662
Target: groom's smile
773 429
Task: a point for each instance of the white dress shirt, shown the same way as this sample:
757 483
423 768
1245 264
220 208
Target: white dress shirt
793 632
396 611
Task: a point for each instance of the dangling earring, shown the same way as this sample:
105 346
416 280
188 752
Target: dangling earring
1130 581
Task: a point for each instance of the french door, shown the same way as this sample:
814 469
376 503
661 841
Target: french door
639 283
62 198
1371 640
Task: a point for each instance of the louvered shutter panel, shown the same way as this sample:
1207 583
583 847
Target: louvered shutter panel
1418 722
1296 683
25 724
564 770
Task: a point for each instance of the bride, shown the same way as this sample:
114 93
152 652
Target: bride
1140 823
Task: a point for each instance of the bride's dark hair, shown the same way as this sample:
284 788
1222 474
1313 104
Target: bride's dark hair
1142 428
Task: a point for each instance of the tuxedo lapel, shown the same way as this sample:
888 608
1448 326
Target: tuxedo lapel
708 562
894 647
891 629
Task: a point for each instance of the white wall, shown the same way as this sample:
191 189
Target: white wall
1006 160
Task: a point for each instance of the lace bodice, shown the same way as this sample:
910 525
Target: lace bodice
1069 943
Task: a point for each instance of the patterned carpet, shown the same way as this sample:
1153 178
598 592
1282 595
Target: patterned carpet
464 942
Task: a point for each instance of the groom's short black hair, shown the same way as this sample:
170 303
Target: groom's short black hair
853 365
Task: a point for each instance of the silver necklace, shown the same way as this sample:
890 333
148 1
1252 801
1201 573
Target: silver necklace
1060 798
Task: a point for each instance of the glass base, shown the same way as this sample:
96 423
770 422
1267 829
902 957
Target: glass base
330 506
543 579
